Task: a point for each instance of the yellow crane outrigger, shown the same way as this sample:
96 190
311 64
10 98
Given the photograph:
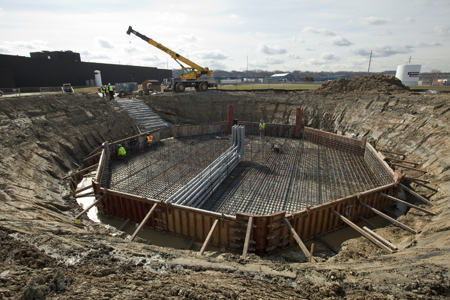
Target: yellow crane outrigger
189 76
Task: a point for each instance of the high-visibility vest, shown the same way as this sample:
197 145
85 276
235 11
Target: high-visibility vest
262 126
111 88
102 89
122 151
149 139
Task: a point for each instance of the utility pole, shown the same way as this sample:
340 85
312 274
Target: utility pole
370 59
247 64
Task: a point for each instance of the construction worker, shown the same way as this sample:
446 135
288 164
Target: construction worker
262 128
103 91
111 91
121 154
149 139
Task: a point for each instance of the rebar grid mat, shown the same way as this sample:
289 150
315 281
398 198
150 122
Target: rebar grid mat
275 174
301 174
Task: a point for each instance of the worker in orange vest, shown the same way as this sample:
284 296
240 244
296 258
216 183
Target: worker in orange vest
149 139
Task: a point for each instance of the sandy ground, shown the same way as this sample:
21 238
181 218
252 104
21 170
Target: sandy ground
44 254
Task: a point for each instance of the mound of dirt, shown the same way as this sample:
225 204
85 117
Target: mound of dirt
370 84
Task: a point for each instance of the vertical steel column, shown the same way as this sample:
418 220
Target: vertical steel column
230 119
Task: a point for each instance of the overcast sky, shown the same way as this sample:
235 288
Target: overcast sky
275 35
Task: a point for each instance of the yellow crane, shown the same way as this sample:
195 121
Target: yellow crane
189 76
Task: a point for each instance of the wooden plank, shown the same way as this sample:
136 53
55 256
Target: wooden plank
81 171
92 156
363 232
380 238
144 221
367 222
399 160
247 237
85 195
422 198
95 150
408 204
388 218
298 240
327 244
416 179
89 207
208 238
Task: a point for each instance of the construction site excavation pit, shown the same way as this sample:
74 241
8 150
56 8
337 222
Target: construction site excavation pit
241 191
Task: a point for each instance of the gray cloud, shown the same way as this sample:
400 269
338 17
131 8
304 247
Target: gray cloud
341 42
376 20
271 50
441 30
425 45
213 54
360 52
386 50
322 31
310 49
105 44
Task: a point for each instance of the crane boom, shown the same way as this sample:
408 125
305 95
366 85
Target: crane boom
193 73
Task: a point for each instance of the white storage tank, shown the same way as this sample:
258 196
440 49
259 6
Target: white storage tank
98 78
408 74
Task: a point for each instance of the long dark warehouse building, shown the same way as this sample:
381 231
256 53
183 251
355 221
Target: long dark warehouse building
46 69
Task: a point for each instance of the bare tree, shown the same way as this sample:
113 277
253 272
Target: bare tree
435 75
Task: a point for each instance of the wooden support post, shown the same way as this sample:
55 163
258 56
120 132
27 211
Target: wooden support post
144 221
124 224
230 117
392 152
85 195
298 240
409 168
89 207
92 156
406 189
380 238
363 232
416 181
191 243
407 204
298 122
388 218
247 237
77 191
399 160
335 250
208 238
367 222
81 171
311 252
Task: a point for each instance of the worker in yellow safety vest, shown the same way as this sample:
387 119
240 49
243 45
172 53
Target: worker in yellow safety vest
121 154
149 139
262 128
103 90
111 91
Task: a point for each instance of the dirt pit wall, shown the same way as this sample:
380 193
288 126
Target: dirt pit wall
46 255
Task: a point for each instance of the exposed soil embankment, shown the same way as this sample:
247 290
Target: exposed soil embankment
44 254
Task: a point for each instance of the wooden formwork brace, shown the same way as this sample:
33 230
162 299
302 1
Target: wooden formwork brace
89 207
422 198
124 223
149 214
81 171
367 222
409 168
380 238
299 241
77 191
247 237
407 204
208 238
85 195
376 211
335 250
392 152
399 160
363 232
421 183
191 243
92 156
